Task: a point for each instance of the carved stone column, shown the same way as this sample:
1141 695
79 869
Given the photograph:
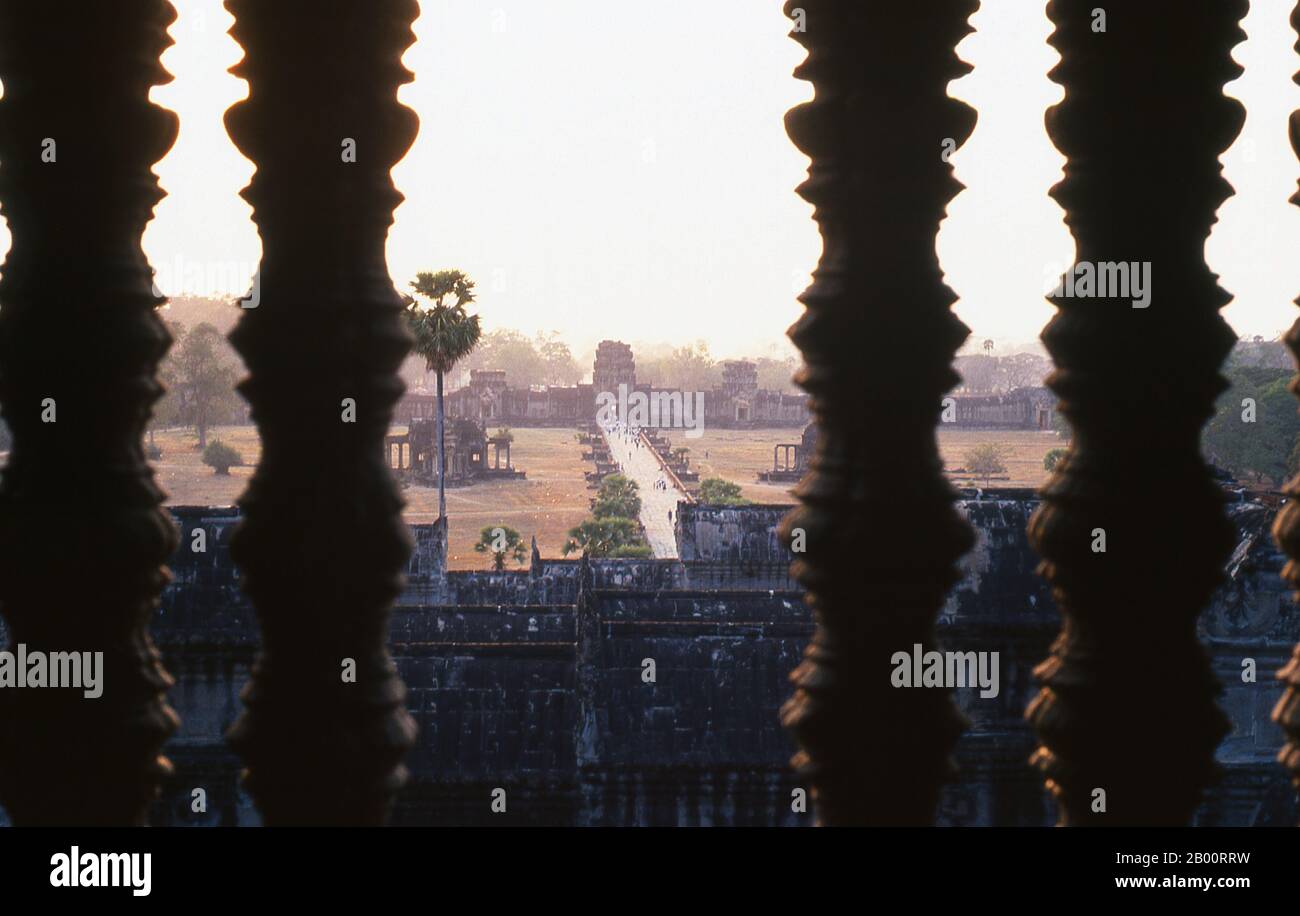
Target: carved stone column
323 547
882 537
1132 530
82 538
1286 529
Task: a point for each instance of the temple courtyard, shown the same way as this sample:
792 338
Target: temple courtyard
555 497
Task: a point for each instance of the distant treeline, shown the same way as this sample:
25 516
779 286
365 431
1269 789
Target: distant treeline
547 360
691 368
544 359
541 360
1255 431
988 374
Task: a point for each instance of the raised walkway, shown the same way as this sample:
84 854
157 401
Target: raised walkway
642 465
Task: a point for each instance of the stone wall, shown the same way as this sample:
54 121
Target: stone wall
492 692
205 582
737 534
1002 605
1022 408
542 691
677 707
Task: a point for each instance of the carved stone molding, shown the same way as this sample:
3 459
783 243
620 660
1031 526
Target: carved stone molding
1127 707
882 536
1286 529
323 547
83 542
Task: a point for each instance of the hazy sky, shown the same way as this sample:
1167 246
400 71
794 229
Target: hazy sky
610 169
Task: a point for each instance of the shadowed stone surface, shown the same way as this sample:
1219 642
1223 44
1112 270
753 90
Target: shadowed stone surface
536 686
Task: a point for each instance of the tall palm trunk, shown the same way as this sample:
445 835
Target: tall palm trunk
442 457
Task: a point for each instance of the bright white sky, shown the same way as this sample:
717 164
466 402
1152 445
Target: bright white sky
611 169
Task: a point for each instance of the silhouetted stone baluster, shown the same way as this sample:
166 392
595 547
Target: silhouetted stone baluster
1128 698
323 546
82 540
882 535
1286 529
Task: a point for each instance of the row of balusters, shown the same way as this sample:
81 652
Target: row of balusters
83 539
1128 699
1126 713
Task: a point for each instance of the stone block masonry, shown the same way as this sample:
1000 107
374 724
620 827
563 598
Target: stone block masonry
535 681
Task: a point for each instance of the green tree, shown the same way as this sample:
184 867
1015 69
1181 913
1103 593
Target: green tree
166 411
203 377
221 457
557 358
714 491
688 368
444 335
1255 429
503 543
606 537
978 372
618 497
986 459
1271 354
1053 458
510 350
777 374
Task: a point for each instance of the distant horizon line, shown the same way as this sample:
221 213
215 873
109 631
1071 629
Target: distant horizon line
780 348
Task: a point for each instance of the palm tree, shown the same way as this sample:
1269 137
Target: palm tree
603 537
444 335
503 543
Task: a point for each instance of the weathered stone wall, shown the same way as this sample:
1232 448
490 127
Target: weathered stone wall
737 534
1023 408
492 692
769 575
1002 605
546 698
205 583
677 707
556 581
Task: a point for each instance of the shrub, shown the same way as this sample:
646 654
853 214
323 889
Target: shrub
503 543
714 491
221 457
986 460
617 498
604 537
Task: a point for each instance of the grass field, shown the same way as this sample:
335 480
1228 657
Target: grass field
739 454
547 504
188 481
555 497
1025 451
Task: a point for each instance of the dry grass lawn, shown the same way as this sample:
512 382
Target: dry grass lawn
739 454
547 504
555 497
1024 461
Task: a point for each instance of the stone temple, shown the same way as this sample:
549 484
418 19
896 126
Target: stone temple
489 398
532 680
738 403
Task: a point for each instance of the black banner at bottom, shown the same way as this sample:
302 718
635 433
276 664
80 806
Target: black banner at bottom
333 866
